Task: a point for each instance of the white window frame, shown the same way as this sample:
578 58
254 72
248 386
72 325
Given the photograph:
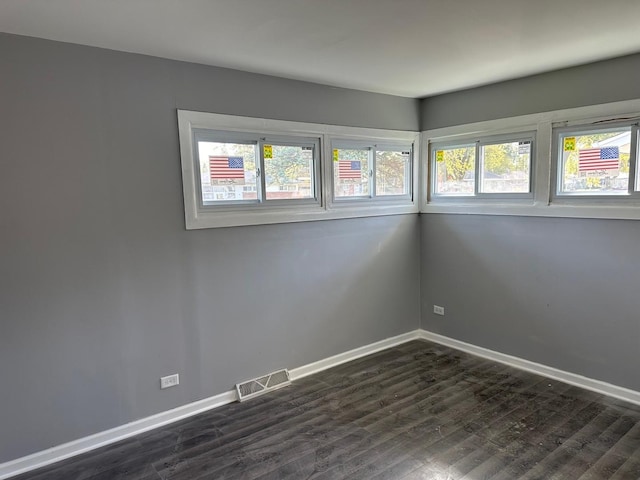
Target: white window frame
372 148
259 141
632 196
434 147
478 143
544 202
322 207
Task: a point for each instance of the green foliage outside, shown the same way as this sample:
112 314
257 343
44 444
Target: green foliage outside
506 158
391 176
499 159
456 163
289 165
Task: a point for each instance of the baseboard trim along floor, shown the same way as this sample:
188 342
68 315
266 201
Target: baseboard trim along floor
100 439
77 447
567 377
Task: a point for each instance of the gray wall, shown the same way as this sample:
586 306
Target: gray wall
102 290
561 292
602 82
558 291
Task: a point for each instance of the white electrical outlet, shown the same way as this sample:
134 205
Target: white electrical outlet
438 310
169 381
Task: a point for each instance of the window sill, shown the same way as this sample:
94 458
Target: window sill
564 210
218 219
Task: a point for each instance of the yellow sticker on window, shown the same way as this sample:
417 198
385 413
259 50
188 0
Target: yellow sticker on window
335 155
268 151
440 156
569 144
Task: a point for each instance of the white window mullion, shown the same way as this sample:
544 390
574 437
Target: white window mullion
479 163
372 171
326 171
633 162
542 165
260 172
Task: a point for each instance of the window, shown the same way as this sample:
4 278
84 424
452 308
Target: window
598 161
351 172
393 172
289 171
505 167
237 169
252 171
367 171
454 170
490 167
579 162
227 170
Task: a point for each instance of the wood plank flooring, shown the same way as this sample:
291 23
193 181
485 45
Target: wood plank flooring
414 412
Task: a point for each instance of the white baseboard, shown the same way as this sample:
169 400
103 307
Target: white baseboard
82 445
86 444
598 386
336 360
76 447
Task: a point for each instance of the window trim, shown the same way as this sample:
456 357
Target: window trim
478 142
215 135
541 205
558 197
397 147
315 142
259 141
372 148
271 211
433 148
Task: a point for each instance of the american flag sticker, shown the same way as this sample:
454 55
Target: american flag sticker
595 159
349 169
226 168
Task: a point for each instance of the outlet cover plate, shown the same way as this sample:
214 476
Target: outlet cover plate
169 381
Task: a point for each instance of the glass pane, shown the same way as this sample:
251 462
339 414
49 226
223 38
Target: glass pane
289 172
392 172
595 163
505 167
227 172
351 173
455 170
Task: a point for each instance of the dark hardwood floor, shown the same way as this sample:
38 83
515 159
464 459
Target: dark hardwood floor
415 412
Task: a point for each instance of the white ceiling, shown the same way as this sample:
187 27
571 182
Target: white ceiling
412 48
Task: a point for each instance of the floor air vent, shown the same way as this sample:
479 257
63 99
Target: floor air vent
260 385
